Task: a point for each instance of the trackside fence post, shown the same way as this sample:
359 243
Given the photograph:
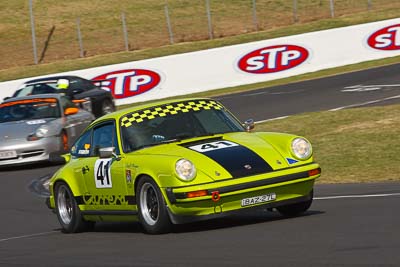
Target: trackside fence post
78 27
255 20
295 18
210 29
369 5
332 7
34 48
125 31
170 33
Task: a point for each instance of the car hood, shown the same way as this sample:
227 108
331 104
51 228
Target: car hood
14 130
231 155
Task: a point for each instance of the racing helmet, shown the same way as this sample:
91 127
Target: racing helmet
62 84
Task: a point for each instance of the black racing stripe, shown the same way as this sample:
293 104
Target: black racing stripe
79 200
238 160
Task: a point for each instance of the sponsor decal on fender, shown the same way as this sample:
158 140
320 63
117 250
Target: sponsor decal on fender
387 38
272 59
130 82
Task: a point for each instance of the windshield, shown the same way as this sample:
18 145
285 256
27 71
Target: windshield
175 122
45 87
29 109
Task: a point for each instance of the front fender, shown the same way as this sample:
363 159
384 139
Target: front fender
66 175
281 142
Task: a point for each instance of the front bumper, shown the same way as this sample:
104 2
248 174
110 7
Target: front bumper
30 151
180 219
290 186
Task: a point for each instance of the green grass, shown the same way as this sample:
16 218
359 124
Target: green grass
353 145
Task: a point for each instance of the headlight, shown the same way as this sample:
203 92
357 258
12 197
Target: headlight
301 148
185 170
42 131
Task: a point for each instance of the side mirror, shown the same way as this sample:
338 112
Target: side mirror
108 152
249 125
70 111
58 158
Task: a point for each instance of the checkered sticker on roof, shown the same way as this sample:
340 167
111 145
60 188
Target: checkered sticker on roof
168 110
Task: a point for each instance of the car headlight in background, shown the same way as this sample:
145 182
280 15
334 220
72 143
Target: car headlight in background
301 148
185 170
40 132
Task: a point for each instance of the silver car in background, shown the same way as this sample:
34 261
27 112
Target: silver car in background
32 127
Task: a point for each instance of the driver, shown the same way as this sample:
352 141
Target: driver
62 84
138 135
19 112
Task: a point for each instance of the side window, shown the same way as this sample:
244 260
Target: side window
74 84
87 85
82 146
80 84
104 136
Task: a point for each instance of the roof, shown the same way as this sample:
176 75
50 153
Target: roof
149 105
50 78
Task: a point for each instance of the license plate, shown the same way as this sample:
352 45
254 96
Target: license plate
258 199
8 154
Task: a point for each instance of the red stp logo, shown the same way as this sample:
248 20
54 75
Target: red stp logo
128 83
273 59
387 38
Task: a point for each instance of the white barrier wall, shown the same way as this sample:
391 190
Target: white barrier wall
242 64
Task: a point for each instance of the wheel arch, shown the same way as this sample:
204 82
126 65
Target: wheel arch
143 175
73 186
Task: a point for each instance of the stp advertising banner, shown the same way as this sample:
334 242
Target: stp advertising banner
240 64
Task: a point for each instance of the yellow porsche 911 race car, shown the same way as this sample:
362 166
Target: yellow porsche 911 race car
179 161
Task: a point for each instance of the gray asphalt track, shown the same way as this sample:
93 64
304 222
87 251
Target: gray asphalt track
316 95
347 225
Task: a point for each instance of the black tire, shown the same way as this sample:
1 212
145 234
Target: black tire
68 212
107 107
153 214
296 209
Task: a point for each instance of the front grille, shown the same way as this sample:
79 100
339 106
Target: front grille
31 153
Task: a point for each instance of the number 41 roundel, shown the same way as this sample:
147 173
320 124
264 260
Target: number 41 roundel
102 173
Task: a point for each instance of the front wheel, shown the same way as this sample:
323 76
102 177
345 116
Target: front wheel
153 214
68 212
296 209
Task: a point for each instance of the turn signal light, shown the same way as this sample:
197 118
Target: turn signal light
200 193
314 172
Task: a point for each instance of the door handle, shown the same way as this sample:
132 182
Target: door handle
85 169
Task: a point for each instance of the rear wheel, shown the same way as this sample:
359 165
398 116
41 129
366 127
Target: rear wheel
296 209
153 214
68 212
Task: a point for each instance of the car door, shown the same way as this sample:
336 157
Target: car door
105 178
